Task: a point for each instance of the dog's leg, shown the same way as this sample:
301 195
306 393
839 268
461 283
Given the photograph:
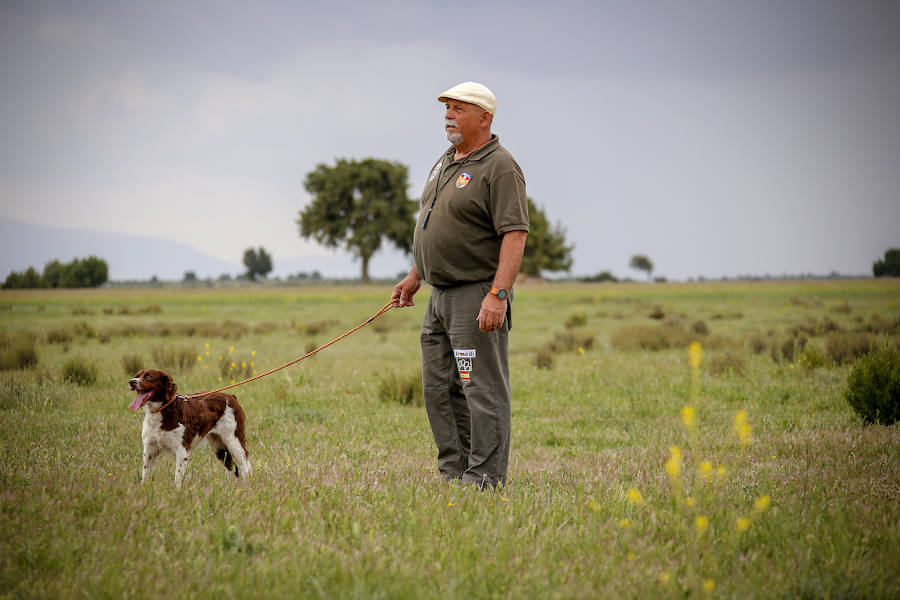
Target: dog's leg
218 448
181 457
238 454
150 455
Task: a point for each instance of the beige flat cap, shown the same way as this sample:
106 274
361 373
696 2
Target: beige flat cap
473 93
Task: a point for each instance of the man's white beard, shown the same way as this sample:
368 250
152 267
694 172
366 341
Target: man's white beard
455 138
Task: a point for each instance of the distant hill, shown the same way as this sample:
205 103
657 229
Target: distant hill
23 245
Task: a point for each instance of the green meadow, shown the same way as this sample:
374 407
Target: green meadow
639 468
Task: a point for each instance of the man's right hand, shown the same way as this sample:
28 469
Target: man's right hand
405 290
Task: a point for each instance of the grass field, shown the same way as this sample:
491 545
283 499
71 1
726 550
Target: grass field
638 468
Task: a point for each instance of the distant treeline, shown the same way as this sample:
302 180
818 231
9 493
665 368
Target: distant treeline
80 273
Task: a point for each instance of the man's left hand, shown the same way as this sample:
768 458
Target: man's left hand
492 313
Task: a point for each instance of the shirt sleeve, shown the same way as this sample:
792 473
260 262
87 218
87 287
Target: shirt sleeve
508 202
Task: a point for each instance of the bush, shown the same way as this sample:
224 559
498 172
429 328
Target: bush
650 337
543 358
873 386
812 358
401 389
578 320
570 341
132 363
727 363
79 371
18 354
174 357
700 328
842 349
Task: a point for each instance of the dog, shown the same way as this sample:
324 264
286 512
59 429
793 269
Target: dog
176 424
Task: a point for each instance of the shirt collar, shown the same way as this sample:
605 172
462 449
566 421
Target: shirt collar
480 153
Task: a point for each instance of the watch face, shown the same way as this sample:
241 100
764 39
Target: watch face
501 294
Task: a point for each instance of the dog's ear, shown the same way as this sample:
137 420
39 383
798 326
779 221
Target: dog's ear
169 385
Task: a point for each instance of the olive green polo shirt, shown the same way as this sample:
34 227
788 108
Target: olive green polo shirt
467 206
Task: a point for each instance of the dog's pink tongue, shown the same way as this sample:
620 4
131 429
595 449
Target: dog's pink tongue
139 400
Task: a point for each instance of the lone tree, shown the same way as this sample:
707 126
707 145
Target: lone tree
889 266
545 249
642 263
358 203
259 264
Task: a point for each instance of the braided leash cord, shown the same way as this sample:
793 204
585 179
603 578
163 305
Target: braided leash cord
390 304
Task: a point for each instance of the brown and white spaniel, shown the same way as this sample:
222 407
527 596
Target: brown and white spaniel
176 424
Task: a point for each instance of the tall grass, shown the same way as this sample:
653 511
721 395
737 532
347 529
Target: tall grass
777 489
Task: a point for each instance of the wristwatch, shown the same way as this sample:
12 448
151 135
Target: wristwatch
500 293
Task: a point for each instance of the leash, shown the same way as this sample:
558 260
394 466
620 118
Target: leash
390 304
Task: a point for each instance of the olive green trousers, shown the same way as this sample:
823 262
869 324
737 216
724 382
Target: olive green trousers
465 380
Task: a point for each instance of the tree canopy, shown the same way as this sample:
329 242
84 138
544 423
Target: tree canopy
358 204
259 264
642 263
87 272
889 266
545 249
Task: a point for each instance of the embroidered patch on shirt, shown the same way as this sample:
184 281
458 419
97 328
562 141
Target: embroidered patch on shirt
464 353
463 180
435 171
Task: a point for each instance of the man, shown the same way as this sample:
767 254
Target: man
468 246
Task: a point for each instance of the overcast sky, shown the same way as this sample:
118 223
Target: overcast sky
716 137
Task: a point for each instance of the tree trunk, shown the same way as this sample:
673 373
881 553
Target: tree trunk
365 268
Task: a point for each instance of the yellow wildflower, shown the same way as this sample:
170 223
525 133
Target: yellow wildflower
690 501
743 524
231 348
709 585
625 523
206 345
635 497
695 351
665 577
581 351
253 353
199 358
630 556
673 465
701 523
706 469
449 504
741 427
688 416
762 503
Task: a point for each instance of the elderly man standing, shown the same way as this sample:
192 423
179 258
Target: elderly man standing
468 246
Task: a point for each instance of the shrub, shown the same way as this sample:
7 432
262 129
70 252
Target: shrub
842 349
58 336
788 350
658 313
812 358
758 343
232 367
18 354
543 358
132 363
727 363
700 328
873 386
570 341
79 371
174 357
401 389
579 320
650 337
